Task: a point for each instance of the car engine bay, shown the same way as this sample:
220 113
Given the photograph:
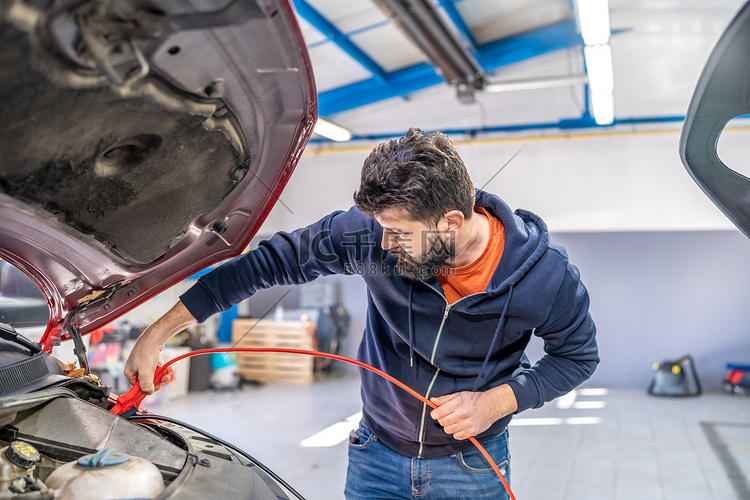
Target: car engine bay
58 440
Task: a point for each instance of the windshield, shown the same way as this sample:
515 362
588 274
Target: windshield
22 304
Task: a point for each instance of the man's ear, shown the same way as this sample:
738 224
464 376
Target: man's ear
454 223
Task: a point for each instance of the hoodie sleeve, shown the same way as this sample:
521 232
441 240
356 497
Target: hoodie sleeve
569 335
323 248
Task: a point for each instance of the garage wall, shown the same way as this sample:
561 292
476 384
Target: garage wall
661 295
667 272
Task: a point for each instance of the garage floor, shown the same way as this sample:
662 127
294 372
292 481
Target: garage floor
594 444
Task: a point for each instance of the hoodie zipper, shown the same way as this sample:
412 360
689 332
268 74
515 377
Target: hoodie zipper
440 331
424 414
432 382
448 307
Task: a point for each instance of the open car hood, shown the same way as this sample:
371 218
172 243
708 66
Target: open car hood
142 141
722 93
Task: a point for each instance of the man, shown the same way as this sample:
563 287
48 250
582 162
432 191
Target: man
457 284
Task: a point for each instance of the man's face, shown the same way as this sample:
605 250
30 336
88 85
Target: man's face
421 249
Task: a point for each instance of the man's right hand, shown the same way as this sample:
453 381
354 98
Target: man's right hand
144 358
142 363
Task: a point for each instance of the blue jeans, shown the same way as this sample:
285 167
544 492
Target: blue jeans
377 472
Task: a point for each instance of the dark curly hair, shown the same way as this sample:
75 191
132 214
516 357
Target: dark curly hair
419 172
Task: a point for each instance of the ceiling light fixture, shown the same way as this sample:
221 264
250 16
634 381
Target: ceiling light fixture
593 21
331 131
599 67
603 108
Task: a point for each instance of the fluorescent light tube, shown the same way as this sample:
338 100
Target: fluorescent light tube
593 19
603 108
599 68
331 131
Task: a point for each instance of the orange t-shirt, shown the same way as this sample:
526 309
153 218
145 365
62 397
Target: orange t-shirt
459 282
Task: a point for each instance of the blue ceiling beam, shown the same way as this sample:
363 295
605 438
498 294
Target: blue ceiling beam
491 56
397 83
533 43
350 34
450 9
312 16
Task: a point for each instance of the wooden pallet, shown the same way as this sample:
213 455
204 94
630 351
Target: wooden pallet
271 366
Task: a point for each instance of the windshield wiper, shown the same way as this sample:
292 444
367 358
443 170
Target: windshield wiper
7 332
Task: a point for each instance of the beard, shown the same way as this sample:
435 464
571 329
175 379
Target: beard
438 253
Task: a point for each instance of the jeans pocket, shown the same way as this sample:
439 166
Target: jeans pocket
361 438
473 461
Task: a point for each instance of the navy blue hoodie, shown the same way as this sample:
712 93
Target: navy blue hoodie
413 334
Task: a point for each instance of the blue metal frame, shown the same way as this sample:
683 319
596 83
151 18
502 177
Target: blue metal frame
309 14
396 84
450 8
350 34
493 55
385 85
532 43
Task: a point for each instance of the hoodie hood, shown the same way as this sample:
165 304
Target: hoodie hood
526 240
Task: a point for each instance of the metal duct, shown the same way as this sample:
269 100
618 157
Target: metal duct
421 22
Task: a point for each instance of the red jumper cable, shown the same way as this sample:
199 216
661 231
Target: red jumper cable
134 397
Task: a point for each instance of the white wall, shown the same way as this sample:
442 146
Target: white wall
608 182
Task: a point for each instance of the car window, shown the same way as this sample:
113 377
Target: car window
22 304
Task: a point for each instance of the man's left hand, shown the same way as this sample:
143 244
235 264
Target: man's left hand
464 417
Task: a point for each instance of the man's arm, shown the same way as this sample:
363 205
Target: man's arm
319 249
144 358
571 353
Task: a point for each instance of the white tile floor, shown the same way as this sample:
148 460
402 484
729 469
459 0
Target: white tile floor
615 444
